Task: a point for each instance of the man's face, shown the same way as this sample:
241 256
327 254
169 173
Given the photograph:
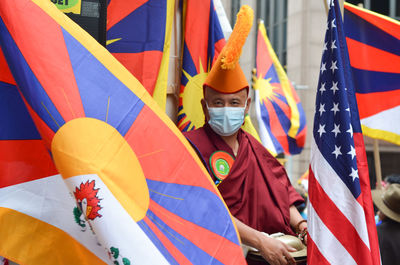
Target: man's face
215 99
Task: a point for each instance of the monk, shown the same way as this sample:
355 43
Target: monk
256 189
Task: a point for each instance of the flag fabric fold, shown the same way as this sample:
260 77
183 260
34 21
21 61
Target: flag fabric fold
374 48
280 115
119 155
139 36
340 216
35 205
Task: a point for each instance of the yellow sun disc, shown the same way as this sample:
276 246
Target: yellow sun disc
265 88
191 97
90 146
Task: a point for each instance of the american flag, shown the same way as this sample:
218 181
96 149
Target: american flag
341 222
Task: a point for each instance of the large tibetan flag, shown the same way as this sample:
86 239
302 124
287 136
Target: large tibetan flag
374 48
139 36
36 208
341 222
137 182
203 41
281 118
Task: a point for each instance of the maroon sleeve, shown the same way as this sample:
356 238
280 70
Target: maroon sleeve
280 172
294 198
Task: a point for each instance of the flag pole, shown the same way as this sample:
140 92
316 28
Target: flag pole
377 160
177 54
326 6
341 4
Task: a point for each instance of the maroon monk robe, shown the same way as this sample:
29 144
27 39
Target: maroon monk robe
257 190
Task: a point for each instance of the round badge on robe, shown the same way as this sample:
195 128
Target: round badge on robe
221 163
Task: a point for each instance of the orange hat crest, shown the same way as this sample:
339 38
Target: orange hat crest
226 75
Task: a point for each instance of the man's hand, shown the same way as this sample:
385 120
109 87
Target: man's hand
275 251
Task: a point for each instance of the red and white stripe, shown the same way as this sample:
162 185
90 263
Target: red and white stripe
337 225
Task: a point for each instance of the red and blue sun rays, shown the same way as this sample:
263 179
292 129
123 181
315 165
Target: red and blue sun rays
275 113
113 102
199 51
140 30
374 48
61 78
275 109
136 35
172 215
23 156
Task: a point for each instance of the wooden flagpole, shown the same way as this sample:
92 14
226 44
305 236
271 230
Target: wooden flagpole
377 161
326 6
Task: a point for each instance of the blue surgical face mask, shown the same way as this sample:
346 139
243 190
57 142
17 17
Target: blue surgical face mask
227 120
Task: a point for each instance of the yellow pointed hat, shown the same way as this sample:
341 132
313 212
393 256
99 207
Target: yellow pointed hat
226 76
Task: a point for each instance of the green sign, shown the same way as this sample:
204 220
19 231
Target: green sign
68 6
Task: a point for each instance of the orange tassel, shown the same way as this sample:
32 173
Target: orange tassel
233 48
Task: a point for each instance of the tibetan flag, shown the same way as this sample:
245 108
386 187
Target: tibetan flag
280 115
23 153
139 36
374 48
223 19
136 180
36 208
203 41
341 222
